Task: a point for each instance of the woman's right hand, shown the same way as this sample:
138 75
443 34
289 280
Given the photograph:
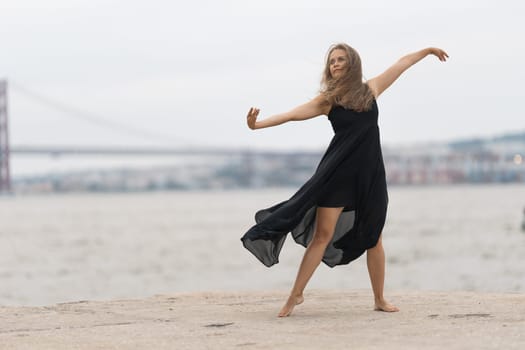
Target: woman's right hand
252 117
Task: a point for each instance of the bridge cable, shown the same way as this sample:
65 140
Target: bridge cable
93 118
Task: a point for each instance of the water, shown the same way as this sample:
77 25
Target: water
60 248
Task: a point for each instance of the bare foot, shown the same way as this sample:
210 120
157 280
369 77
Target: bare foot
290 304
383 305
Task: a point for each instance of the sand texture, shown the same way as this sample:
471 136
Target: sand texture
329 319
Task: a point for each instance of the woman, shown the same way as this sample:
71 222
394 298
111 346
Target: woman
339 213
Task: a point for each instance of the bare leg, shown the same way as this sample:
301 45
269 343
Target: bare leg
375 259
324 231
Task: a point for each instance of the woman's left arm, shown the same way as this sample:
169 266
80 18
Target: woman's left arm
383 81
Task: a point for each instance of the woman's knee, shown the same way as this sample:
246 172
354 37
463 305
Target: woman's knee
325 226
322 237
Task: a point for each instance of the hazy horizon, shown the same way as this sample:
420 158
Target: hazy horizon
187 74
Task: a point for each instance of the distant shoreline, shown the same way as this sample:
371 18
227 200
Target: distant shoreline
233 190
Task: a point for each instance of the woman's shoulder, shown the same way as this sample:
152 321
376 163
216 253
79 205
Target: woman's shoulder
323 104
372 86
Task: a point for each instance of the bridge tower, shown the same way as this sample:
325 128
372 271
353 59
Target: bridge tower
5 178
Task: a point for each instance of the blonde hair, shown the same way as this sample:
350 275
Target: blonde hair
348 90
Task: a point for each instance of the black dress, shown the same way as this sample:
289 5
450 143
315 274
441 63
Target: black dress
351 174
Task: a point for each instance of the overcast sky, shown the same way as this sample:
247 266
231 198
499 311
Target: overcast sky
190 70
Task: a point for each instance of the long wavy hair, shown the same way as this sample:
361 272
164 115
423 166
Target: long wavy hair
348 90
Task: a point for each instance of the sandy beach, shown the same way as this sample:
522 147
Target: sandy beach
329 319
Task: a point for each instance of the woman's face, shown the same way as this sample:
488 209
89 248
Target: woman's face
338 62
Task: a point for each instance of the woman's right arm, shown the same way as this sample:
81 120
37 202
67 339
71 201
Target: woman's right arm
311 109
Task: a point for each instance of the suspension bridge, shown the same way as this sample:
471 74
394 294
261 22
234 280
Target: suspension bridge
480 161
7 150
5 173
248 157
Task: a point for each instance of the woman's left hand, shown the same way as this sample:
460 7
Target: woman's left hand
442 55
